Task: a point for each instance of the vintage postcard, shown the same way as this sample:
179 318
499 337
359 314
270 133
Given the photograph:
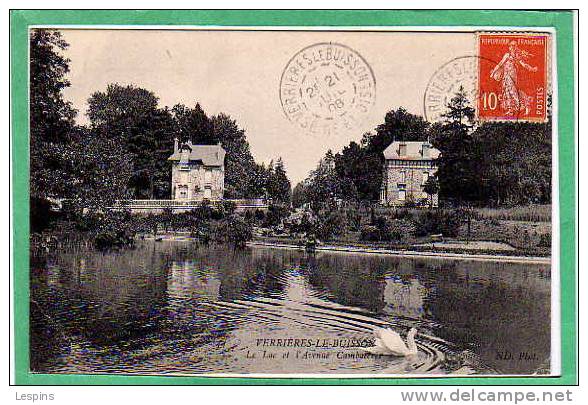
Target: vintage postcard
288 202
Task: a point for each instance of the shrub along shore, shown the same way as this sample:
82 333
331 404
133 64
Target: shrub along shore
503 232
464 230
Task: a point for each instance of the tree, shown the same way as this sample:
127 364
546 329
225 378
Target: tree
351 168
331 223
323 185
192 124
278 186
431 187
299 196
496 163
243 177
102 172
51 116
513 163
237 231
160 183
129 115
454 140
399 125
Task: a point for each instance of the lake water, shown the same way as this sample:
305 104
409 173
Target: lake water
174 307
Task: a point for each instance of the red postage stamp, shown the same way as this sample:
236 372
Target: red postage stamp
512 76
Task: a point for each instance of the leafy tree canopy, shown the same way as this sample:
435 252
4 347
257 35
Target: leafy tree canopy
51 116
486 164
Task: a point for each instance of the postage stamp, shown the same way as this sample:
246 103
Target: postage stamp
327 87
514 86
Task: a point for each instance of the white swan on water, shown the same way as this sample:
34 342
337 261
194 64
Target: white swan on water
389 343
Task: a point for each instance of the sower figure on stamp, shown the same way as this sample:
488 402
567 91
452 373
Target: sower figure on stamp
513 100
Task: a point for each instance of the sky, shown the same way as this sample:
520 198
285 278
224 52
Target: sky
238 73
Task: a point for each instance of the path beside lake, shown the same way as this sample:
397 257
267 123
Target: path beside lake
411 253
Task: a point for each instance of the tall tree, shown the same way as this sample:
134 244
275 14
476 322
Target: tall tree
299 196
513 162
102 171
241 171
278 186
130 115
163 131
359 171
51 116
399 125
192 124
454 140
323 187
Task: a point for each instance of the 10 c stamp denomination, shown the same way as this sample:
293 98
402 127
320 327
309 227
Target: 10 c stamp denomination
514 86
327 87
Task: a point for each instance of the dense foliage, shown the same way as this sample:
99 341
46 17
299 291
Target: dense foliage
493 164
67 161
122 153
488 164
131 115
51 117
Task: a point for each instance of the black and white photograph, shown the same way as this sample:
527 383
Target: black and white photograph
293 202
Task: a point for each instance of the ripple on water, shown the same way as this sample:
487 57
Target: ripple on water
196 318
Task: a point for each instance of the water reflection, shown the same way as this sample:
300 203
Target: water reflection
405 297
174 307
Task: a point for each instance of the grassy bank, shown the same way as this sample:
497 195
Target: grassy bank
527 213
523 231
530 213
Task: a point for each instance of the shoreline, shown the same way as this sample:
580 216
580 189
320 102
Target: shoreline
410 253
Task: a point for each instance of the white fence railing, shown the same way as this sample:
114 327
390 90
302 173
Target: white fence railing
157 204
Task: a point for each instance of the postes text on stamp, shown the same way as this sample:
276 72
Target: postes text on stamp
327 87
514 87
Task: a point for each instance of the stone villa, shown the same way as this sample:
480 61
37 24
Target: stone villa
198 172
407 167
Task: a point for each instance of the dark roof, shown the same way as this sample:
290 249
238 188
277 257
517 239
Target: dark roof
209 155
414 151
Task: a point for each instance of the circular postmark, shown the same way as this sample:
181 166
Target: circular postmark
326 88
445 83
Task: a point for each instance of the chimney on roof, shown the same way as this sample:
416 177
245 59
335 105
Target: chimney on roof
176 144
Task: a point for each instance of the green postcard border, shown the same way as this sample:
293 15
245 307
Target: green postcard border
20 20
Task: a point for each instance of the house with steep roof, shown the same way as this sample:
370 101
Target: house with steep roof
407 167
198 172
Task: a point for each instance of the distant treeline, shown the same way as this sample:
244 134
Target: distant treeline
488 164
122 152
